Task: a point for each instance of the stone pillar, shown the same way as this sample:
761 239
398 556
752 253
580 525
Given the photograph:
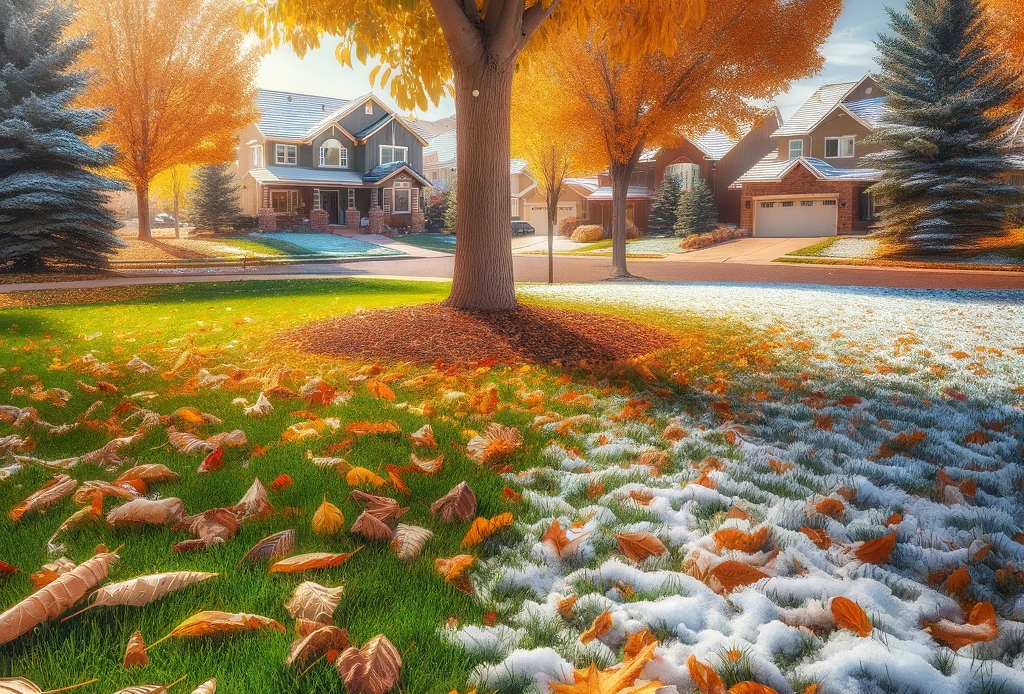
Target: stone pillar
352 219
418 223
378 217
318 220
267 219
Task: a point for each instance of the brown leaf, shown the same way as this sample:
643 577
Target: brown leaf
496 444
56 598
255 503
382 508
730 575
370 527
54 490
457 505
207 687
143 590
215 623
849 615
276 546
215 526
639 546
373 669
314 602
600 626
140 512
981 627
876 551
379 389
737 540
305 627
556 538
308 562
149 474
424 437
316 644
958 581
408 541
616 680
426 467
135 653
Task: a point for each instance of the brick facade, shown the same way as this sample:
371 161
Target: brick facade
318 220
800 181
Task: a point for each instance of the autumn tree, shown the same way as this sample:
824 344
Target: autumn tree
470 49
1006 26
544 135
744 50
176 79
172 184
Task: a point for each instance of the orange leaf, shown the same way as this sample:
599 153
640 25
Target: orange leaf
379 389
307 562
958 581
980 627
818 537
483 528
850 615
453 570
600 627
735 539
637 642
830 507
281 482
511 494
751 688
735 574
556 538
565 606
877 551
639 546
706 679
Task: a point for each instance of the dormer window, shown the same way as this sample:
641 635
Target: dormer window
286 154
840 147
369 108
796 149
333 154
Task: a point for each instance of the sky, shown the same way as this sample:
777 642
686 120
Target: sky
849 55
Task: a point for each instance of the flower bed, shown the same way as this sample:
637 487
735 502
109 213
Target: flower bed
720 235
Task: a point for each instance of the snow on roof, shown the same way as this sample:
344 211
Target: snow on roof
814 109
772 168
517 166
429 129
290 116
589 183
299 174
443 145
714 144
871 111
635 193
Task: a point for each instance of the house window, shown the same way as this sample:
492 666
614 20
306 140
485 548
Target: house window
839 147
686 173
333 154
402 197
868 208
257 156
806 203
828 203
767 205
286 154
787 203
796 149
515 208
284 200
389 154
369 108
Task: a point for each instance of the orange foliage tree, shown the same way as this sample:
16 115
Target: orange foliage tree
743 51
1006 21
544 135
469 48
176 80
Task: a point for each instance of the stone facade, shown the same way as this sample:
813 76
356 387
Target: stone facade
418 223
267 219
318 220
800 181
378 220
352 219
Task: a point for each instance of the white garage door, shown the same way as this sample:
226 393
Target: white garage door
537 215
796 217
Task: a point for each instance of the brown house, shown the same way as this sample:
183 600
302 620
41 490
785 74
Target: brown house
811 184
321 163
714 157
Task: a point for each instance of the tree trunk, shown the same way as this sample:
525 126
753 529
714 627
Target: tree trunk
142 198
483 278
177 224
552 222
621 173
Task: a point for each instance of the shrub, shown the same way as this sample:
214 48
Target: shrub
567 226
588 233
632 231
244 222
719 235
436 210
697 213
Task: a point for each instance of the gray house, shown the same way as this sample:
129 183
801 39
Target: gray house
331 164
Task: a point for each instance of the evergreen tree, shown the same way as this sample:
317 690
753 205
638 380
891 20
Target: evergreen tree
697 212
662 220
451 214
943 160
215 198
51 200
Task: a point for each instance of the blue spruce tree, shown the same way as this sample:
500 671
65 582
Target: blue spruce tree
944 160
697 212
51 199
662 220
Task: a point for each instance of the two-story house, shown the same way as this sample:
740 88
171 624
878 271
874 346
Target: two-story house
331 163
812 184
714 157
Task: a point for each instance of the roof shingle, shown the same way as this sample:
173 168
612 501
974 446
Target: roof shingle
290 116
814 109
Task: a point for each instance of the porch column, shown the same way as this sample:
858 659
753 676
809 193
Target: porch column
378 215
351 211
265 215
418 221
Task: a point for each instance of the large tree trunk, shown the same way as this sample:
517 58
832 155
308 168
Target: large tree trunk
142 198
483 279
621 173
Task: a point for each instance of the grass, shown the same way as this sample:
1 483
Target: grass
430 242
814 250
271 247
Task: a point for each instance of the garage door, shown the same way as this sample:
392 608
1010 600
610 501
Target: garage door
537 215
795 217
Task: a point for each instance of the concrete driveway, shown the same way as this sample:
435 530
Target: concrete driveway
750 250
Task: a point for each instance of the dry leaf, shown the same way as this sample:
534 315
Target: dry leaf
565 606
314 602
876 551
601 625
735 539
281 482
958 581
751 688
143 590
637 642
370 527
818 536
207 687
457 505
129 490
483 528
255 503
833 508
453 570
316 644
54 490
359 476
328 519
308 562
149 474
215 526
617 680
379 389
135 653
215 623
276 546
981 627
730 575
150 688
849 615
496 444
261 408
426 467
373 669
424 437
556 538
706 679
639 546
408 541
214 461
140 512
56 598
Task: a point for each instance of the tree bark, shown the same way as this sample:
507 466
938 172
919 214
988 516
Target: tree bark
483 278
621 173
177 224
142 198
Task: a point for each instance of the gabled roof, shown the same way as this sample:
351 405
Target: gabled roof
363 134
821 103
386 171
714 144
289 116
431 129
444 145
584 186
871 111
772 169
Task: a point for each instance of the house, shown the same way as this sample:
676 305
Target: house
332 163
714 157
811 184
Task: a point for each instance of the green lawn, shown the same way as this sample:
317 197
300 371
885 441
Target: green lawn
271 247
814 250
431 242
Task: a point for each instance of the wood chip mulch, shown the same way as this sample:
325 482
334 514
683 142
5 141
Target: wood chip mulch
432 333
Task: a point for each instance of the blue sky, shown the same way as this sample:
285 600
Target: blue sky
849 55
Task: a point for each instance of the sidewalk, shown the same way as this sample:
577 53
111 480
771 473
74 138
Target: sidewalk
749 250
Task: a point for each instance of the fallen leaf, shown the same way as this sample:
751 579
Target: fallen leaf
135 653
207 687
254 504
216 623
308 562
730 575
876 551
751 688
214 461
281 482
275 546
359 476
149 474
981 627
215 526
143 590
373 669
616 680
637 642
328 519
56 489
457 505
408 541
556 538
565 606
598 628
639 546
496 444
379 389
483 528
958 581
423 437
738 540
426 467
706 679
849 615
818 536
140 512
314 602
316 644
261 408
453 570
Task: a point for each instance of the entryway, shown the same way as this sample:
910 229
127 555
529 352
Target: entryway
330 200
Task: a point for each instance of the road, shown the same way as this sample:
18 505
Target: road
529 268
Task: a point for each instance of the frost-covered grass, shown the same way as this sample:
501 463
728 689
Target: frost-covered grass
329 244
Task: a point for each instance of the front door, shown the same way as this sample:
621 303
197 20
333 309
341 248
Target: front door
330 200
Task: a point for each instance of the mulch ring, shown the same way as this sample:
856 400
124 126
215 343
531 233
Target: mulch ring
432 333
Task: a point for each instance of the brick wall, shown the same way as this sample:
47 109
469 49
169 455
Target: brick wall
800 181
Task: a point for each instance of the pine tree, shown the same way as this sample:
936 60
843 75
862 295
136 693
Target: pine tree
215 198
697 212
451 213
662 220
942 154
51 200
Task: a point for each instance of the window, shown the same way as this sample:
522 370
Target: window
402 197
369 108
796 149
806 203
767 205
286 154
828 203
389 154
788 203
284 200
515 208
839 147
257 156
686 173
868 208
333 154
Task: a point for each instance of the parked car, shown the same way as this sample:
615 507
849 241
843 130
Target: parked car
520 228
164 220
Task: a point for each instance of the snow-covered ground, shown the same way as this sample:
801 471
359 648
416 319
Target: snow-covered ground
903 408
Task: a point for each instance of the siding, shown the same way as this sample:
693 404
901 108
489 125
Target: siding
358 120
754 147
392 134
